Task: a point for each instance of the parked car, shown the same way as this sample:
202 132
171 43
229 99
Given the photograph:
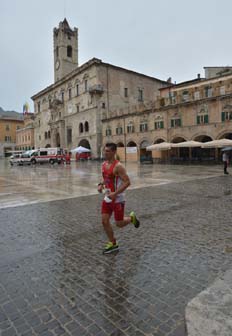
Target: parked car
15 159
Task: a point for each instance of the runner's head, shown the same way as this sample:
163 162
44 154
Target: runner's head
110 150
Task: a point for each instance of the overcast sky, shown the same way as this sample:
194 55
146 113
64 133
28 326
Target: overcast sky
171 38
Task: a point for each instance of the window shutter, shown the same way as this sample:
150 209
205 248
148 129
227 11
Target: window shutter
198 120
206 119
223 116
161 124
172 122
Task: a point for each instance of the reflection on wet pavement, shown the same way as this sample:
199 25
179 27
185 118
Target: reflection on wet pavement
54 279
41 183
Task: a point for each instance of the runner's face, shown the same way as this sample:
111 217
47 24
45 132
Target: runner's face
109 153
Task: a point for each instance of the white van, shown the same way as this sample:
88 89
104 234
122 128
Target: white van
47 155
26 157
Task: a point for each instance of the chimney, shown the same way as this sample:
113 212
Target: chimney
198 76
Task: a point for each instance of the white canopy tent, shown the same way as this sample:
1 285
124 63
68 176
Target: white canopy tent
80 149
159 146
190 143
217 143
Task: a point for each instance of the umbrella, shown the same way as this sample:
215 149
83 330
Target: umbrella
217 143
81 149
159 146
188 144
227 149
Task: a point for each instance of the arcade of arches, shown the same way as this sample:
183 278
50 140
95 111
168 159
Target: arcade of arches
135 152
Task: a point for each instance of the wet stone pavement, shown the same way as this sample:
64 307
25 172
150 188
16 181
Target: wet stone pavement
54 279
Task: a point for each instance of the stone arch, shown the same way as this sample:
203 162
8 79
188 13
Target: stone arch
131 151
226 134
177 139
159 140
131 144
144 155
179 154
202 138
202 154
84 143
121 151
144 143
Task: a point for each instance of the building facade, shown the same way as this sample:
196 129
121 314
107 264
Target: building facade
199 110
69 113
25 134
8 128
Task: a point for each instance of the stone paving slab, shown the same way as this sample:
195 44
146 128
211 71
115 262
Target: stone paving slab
210 312
54 279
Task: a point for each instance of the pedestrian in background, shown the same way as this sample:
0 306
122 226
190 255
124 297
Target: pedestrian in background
225 159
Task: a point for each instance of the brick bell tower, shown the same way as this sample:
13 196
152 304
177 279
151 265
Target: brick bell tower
65 50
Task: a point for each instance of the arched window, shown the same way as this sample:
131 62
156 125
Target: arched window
86 126
81 129
69 51
49 134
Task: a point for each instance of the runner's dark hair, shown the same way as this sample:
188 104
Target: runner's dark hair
112 146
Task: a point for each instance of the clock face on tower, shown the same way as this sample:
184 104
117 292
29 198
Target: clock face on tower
57 64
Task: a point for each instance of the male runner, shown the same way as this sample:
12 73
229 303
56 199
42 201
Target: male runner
115 181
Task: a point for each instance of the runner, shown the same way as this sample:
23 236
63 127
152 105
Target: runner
115 182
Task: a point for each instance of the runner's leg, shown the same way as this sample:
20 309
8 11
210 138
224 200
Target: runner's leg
107 227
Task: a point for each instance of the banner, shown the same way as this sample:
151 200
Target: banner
131 150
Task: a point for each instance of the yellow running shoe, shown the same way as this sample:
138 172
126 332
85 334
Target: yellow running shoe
134 219
110 247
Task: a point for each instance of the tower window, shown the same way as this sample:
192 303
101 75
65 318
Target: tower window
69 135
86 85
69 93
140 95
125 92
81 128
57 51
69 51
86 126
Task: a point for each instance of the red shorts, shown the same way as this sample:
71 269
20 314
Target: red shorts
112 207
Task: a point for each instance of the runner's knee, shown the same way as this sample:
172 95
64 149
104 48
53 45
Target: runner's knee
105 222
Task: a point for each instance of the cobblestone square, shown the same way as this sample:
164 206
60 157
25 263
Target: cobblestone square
55 281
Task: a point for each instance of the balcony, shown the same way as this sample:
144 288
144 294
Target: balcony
96 89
